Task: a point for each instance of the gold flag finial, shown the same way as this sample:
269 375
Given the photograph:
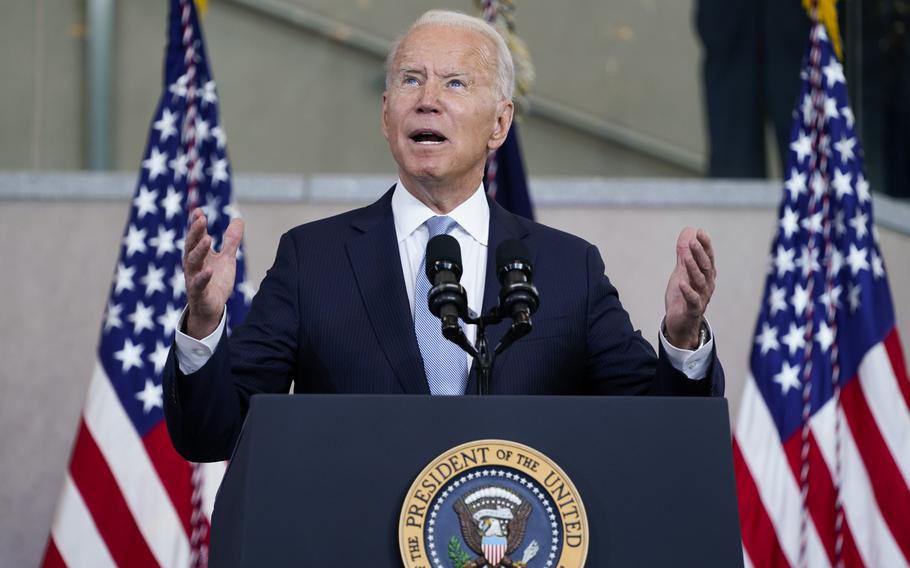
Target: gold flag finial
827 15
202 6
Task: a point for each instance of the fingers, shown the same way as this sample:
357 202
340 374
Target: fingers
695 302
197 283
194 260
196 232
232 237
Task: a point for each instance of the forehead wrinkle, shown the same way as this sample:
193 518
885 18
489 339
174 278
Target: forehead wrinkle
480 51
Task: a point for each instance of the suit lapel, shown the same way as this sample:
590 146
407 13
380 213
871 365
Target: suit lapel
375 261
503 226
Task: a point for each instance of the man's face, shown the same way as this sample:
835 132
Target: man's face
441 113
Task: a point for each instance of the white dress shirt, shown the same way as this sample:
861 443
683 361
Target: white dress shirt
472 232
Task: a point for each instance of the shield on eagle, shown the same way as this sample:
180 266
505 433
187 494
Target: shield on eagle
493 522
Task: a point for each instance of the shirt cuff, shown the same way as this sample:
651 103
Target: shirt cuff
193 353
693 364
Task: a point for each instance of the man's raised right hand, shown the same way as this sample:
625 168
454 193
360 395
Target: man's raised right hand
209 274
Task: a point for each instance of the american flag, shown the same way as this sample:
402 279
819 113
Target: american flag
128 499
822 441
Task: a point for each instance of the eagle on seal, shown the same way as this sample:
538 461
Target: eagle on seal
493 523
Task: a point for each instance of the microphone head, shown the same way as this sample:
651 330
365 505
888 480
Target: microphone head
512 254
443 253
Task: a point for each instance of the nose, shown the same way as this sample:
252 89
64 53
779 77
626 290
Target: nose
429 98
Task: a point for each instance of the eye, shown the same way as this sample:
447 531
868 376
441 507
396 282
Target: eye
458 83
410 80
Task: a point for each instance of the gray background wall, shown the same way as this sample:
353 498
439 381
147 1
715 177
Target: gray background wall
295 101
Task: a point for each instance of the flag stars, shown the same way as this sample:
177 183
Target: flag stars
847 113
862 188
208 93
808 261
807 109
795 338
195 171
151 396
789 223
153 281
248 291
878 267
767 339
130 356
178 88
831 299
159 356
166 125
169 320
787 378
218 134
837 261
163 241
141 318
134 241
145 202
813 223
859 222
834 72
796 184
853 292
857 260
841 183
172 203
784 260
219 171
156 164
112 316
212 210
831 108
202 130
825 336
800 299
124 278
845 148
178 164
802 146
233 212
178 284
776 299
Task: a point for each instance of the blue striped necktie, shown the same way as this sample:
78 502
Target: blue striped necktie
445 364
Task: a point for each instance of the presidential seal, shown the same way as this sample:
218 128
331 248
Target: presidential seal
493 503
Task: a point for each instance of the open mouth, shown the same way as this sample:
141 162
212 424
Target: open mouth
427 137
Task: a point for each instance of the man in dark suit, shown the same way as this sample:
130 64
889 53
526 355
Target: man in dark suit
341 312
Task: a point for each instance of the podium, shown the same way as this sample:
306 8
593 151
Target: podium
319 480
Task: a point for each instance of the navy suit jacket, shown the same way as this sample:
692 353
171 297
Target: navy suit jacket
332 316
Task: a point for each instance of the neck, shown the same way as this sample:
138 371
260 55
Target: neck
441 197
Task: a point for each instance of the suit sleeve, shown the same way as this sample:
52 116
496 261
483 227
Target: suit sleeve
620 360
205 409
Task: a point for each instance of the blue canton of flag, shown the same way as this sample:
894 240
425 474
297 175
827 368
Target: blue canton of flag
822 443
128 498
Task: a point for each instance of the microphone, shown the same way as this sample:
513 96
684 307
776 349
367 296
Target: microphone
447 298
518 297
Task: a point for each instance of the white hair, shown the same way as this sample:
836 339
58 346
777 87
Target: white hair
504 78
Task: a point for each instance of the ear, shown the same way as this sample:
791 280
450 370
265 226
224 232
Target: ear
385 117
504 112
